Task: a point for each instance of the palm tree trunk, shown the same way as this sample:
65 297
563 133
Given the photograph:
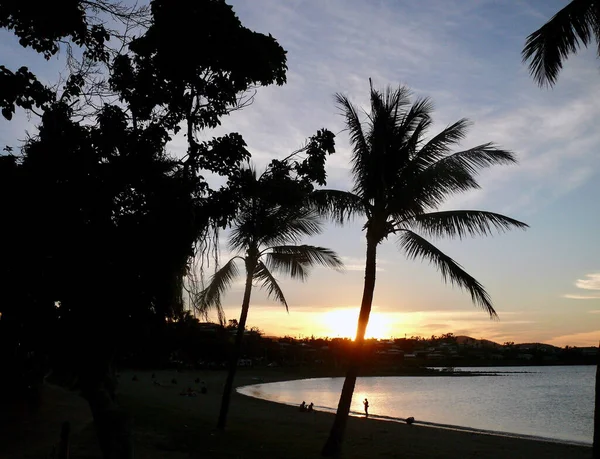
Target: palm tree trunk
114 426
233 361
333 445
596 449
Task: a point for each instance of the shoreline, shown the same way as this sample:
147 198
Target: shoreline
170 426
428 424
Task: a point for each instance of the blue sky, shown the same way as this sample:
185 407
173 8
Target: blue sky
465 55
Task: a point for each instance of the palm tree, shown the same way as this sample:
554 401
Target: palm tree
264 236
576 24
400 180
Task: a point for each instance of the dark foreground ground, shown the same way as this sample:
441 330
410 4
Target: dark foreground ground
170 426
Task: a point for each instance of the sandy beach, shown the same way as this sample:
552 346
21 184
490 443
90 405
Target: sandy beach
172 426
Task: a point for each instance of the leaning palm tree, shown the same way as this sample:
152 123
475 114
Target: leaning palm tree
400 180
576 24
264 235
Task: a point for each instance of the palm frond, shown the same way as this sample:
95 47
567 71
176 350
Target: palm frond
210 297
405 138
455 173
296 260
287 263
439 146
547 47
360 148
339 206
269 283
361 158
419 111
416 138
479 157
267 224
416 246
462 223
288 225
391 130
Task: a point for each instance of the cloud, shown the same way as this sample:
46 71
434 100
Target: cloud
594 311
590 282
581 297
358 264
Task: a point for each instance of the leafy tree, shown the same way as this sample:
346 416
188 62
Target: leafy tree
576 24
270 222
109 218
400 179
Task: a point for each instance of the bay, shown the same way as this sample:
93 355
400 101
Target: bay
550 402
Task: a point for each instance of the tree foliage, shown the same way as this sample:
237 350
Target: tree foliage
103 219
574 26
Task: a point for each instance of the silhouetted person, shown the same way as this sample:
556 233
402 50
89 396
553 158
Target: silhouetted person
310 407
135 378
410 420
173 381
203 389
366 405
302 406
197 380
153 376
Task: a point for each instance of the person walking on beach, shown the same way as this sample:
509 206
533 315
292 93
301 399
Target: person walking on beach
366 404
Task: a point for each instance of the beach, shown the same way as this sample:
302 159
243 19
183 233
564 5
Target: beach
171 426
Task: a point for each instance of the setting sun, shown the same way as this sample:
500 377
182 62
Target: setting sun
342 323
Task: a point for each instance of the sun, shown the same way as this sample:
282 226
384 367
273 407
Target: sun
342 323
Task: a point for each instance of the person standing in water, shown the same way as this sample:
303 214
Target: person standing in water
366 404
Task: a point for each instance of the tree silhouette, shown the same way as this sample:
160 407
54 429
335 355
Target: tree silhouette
109 218
400 179
264 235
576 24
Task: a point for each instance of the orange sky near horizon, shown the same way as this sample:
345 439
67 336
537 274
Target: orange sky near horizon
342 323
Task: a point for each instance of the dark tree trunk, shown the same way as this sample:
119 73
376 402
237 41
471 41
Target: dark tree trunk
596 449
63 444
114 427
333 445
233 361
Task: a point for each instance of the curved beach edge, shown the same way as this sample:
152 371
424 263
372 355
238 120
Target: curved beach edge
244 390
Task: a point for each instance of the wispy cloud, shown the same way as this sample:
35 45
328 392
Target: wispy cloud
590 282
358 264
581 297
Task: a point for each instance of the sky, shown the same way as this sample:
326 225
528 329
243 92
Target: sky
465 55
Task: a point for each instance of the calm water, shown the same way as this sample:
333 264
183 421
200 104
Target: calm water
549 402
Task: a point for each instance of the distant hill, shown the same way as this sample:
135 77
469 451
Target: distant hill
462 339
541 346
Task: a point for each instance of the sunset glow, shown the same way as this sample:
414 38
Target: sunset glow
342 323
